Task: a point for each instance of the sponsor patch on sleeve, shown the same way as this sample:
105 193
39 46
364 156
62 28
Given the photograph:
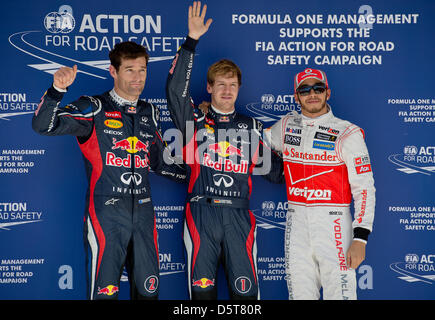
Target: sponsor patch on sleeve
362 164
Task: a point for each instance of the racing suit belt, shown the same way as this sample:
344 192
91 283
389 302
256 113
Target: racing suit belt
218 201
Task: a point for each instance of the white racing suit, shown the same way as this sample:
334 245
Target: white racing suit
326 163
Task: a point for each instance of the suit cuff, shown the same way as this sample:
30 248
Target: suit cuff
361 234
190 44
55 93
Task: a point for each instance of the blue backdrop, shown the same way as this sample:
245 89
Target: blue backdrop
378 59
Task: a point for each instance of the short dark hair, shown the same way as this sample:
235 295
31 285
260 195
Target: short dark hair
222 68
127 50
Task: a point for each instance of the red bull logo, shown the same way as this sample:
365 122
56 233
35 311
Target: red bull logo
225 149
131 145
226 165
113 160
203 283
109 290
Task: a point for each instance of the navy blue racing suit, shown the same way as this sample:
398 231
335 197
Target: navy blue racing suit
221 151
119 144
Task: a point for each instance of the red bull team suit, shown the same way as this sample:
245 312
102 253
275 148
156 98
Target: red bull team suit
221 151
120 142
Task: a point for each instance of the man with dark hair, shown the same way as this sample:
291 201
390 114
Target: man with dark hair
218 221
120 139
326 163
128 50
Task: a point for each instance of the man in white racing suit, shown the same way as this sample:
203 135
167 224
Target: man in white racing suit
326 163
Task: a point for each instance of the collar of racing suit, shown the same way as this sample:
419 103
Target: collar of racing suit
219 115
306 121
121 101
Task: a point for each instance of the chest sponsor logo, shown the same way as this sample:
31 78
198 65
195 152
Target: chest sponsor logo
310 194
113 114
225 149
292 140
325 136
113 132
323 145
226 165
324 156
114 124
317 186
329 130
114 161
293 130
131 145
131 177
224 180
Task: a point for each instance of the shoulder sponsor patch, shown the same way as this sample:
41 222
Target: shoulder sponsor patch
363 169
362 160
362 164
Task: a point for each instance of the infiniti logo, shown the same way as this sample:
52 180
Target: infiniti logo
242 125
128 177
220 178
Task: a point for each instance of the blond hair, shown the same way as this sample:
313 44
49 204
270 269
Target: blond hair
223 67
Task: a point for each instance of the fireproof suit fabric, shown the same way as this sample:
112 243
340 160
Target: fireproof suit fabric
326 163
221 151
119 144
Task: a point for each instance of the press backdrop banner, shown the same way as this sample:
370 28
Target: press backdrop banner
378 57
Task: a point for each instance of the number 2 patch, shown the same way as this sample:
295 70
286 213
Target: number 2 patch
151 284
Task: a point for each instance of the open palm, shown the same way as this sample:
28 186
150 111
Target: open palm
196 24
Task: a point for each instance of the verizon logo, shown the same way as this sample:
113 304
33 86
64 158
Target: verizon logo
310 194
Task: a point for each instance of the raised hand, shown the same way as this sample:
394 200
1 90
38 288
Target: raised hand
64 77
196 20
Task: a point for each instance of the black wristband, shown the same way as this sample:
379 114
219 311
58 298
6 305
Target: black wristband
53 93
361 233
190 44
